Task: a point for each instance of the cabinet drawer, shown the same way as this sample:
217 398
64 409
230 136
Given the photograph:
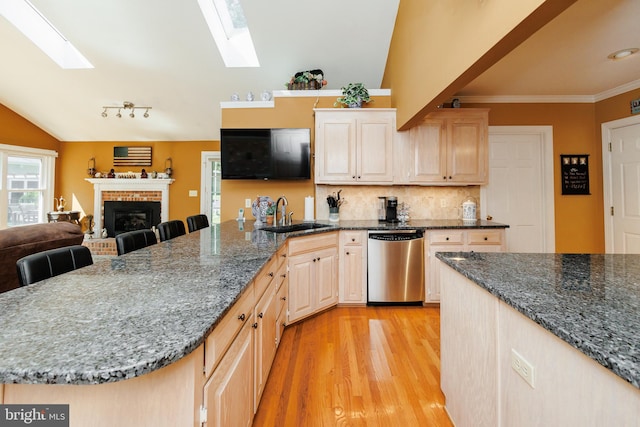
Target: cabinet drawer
446 237
265 276
316 241
281 296
218 341
350 238
484 237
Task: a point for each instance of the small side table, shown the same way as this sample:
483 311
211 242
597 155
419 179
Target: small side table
64 216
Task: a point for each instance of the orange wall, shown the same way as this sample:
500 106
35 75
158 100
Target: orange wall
295 112
186 171
438 47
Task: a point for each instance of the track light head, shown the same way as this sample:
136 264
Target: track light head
119 115
104 113
146 114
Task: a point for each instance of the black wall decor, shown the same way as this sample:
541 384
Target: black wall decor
575 173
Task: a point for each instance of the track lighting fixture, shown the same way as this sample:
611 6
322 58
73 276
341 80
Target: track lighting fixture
127 106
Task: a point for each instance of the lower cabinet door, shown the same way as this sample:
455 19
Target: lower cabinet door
265 340
228 394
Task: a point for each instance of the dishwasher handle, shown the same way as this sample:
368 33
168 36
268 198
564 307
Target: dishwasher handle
393 237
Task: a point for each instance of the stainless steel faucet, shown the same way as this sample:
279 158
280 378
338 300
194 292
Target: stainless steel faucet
285 202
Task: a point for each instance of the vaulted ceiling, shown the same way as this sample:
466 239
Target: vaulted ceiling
160 53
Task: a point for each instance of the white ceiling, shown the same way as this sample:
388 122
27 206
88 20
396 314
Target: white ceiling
159 53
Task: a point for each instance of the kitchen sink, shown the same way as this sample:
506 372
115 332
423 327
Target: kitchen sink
295 227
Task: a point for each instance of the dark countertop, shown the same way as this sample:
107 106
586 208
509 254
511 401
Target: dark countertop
129 315
592 302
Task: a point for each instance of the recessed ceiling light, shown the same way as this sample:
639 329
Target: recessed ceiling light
624 53
26 18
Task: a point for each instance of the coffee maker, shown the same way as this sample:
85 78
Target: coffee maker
392 209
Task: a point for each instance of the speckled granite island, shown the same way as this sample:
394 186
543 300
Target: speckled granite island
540 339
127 335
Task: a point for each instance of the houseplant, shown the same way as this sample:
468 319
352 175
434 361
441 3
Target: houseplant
269 212
353 95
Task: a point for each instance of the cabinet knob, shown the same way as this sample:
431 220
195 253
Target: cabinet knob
447 239
270 274
283 298
444 177
353 177
347 253
314 260
255 325
449 177
284 255
261 315
242 317
358 177
283 275
353 239
486 238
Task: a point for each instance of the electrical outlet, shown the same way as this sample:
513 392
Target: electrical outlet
523 368
247 203
443 203
193 193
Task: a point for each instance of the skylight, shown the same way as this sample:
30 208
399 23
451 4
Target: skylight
228 26
24 16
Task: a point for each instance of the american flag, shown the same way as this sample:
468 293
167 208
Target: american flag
132 156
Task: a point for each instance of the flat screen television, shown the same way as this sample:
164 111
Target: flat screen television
265 153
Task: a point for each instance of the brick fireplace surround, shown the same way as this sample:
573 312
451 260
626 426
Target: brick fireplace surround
125 190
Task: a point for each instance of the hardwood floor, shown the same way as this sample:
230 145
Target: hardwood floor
358 366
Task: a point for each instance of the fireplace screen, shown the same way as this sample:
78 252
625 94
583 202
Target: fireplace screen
120 217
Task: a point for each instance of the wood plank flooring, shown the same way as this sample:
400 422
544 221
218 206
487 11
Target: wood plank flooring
358 366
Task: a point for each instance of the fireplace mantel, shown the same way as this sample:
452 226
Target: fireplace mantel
128 185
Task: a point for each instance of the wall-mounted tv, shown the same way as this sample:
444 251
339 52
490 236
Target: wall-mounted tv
265 153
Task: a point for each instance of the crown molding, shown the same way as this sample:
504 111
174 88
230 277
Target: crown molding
551 99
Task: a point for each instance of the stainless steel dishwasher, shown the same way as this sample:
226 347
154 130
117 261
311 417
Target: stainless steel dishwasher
395 267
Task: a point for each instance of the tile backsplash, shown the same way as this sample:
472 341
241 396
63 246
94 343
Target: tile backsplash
361 201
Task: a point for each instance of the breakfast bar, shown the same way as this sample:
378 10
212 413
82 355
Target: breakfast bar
540 339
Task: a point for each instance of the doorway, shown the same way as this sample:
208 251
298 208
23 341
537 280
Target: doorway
520 190
621 182
210 189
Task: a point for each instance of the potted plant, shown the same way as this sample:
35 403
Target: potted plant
353 95
269 212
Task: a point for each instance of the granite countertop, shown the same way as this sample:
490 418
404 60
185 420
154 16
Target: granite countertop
129 315
592 302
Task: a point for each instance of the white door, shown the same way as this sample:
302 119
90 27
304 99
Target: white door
210 193
520 190
621 174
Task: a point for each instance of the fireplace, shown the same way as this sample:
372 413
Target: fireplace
129 190
123 216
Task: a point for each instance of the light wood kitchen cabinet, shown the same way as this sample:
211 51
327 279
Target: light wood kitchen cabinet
354 146
456 240
449 147
352 286
313 274
264 339
228 394
282 294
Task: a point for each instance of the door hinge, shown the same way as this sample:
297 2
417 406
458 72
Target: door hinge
610 149
203 415
611 210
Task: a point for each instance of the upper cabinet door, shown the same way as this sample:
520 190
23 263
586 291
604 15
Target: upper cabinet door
428 151
335 148
375 148
467 152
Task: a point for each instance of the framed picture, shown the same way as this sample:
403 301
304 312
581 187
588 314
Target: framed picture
575 174
131 156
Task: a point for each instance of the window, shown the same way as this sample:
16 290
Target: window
26 184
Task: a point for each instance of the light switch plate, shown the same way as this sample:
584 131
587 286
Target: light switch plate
193 193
